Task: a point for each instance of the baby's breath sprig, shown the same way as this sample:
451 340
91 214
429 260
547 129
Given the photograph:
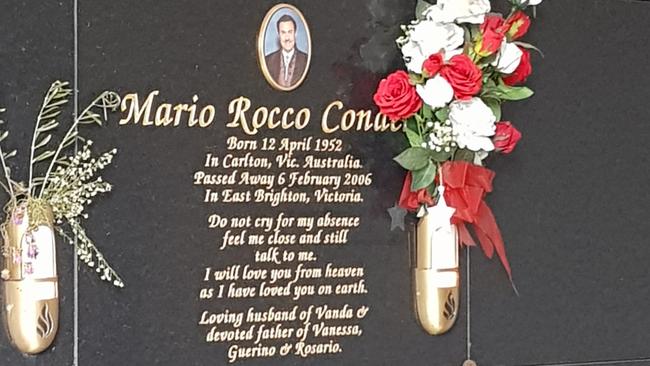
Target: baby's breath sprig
74 186
69 190
89 254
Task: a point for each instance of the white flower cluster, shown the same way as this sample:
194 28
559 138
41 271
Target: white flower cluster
428 37
529 2
470 125
459 11
436 92
442 30
508 58
89 254
473 123
71 188
441 136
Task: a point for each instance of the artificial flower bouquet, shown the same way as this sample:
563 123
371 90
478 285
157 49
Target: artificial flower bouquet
462 62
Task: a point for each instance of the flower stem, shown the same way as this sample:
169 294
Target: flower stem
65 138
46 102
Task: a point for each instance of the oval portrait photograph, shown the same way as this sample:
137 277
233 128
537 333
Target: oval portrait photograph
284 47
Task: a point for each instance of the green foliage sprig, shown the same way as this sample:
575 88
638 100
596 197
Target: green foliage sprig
70 179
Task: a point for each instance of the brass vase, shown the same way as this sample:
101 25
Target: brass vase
31 299
436 278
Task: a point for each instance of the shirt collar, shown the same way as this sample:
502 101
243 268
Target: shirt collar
288 55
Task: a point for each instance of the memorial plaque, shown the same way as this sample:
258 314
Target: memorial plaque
249 215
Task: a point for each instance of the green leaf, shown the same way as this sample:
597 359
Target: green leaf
90 118
464 155
420 8
50 115
414 158
68 142
529 47
47 126
440 156
427 112
490 89
506 92
442 114
474 31
468 36
433 190
489 59
416 78
43 142
411 124
44 156
495 106
412 134
58 102
414 138
422 178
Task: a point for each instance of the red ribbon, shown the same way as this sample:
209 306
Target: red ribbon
410 200
466 185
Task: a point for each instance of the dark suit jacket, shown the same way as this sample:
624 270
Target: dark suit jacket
274 65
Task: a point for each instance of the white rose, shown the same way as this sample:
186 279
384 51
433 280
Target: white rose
459 11
413 57
427 38
436 92
439 14
528 2
508 58
473 123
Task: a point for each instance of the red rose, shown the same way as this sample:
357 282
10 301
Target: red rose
506 137
396 97
464 76
493 32
522 72
433 64
517 25
494 22
412 201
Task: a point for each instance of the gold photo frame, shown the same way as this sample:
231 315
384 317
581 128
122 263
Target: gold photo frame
284 35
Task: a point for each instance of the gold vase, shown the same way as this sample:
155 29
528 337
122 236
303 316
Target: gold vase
436 278
31 299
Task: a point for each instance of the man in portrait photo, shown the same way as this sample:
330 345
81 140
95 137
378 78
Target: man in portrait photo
287 64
